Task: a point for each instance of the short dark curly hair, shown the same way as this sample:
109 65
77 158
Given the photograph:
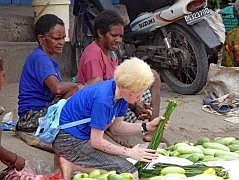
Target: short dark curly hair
106 19
45 23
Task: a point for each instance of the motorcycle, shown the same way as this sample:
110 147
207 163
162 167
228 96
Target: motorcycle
171 35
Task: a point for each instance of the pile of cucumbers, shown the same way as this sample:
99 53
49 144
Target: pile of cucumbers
205 149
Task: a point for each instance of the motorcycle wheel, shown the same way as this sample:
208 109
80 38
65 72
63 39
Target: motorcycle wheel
188 60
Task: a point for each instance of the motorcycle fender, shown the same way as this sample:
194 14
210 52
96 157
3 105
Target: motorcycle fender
205 33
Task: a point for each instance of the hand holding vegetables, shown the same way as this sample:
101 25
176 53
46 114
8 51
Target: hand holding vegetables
158 134
142 154
143 111
152 125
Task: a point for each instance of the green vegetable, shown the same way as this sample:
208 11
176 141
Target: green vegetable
184 155
202 140
210 152
127 176
195 157
158 134
235 141
94 173
234 147
174 176
174 153
225 140
172 169
208 158
190 170
105 175
210 171
80 176
156 178
223 154
214 145
115 177
162 151
184 148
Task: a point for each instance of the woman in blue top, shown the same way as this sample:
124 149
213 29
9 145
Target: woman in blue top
41 82
106 103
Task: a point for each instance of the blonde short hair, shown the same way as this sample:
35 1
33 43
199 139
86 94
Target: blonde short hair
134 74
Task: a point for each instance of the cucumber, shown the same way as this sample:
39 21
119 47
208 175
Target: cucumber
162 151
208 158
94 173
225 140
105 175
202 140
225 153
235 141
214 145
184 148
172 169
210 152
195 157
156 178
174 153
115 177
227 158
184 155
234 147
127 176
174 176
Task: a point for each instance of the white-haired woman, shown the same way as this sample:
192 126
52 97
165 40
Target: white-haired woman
106 104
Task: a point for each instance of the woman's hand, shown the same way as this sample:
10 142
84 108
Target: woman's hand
143 111
19 163
142 154
152 125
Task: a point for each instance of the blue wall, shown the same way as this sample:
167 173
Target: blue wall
15 1
18 1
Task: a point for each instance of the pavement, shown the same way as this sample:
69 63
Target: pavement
187 123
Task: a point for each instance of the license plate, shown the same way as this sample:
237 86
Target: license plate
197 16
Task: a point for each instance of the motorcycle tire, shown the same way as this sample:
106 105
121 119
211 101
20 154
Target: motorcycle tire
190 74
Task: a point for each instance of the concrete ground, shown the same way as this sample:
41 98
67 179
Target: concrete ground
187 123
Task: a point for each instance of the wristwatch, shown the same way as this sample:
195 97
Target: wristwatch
144 129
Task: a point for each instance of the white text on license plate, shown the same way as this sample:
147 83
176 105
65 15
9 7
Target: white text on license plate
197 16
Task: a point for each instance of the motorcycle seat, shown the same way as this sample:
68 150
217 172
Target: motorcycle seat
135 8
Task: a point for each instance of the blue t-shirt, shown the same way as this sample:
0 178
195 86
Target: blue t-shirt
33 94
97 102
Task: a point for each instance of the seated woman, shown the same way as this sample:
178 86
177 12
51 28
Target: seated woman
105 103
9 158
41 82
99 60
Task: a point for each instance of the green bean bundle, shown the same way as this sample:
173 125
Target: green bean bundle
158 134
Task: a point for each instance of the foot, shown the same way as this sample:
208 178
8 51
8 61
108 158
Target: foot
67 168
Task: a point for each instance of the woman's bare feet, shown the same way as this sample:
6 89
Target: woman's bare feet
67 168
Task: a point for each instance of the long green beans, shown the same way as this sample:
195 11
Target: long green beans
158 134
190 170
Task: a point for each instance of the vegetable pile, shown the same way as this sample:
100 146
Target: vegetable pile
182 172
220 148
204 150
100 175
